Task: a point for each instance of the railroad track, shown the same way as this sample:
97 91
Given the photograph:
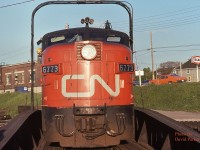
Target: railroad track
151 129
124 145
4 118
195 125
129 145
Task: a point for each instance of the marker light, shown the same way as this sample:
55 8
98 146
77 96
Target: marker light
88 52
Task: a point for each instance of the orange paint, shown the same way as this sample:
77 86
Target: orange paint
87 82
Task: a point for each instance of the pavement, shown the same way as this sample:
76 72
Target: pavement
181 115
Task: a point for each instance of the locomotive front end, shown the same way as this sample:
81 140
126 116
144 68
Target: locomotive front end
87 87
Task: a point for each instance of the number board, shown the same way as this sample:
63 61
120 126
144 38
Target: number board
126 67
50 69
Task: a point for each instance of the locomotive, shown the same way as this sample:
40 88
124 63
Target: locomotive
87 98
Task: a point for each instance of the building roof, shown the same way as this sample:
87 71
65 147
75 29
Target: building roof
162 71
17 64
187 64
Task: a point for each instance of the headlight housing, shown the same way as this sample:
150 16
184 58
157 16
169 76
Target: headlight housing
88 52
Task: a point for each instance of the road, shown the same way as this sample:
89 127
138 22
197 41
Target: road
181 115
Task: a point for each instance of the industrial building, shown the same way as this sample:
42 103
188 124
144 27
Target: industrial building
17 77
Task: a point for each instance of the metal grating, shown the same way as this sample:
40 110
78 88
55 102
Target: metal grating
96 45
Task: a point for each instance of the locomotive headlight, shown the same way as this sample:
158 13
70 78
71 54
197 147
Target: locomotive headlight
88 52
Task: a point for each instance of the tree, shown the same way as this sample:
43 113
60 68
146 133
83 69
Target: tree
169 64
147 75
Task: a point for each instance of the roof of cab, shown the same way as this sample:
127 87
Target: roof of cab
88 33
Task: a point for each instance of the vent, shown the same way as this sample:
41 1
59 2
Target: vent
96 45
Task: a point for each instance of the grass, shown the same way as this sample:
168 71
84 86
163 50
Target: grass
10 101
180 97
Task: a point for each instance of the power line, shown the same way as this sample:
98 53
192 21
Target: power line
161 51
170 19
162 15
21 54
177 46
179 50
189 17
170 13
168 25
189 45
142 54
16 4
14 53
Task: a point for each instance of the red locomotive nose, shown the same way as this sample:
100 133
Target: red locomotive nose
93 75
89 83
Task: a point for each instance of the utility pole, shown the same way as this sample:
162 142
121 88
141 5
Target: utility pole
197 66
152 59
1 72
181 69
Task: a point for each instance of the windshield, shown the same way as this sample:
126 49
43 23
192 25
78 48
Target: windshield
84 34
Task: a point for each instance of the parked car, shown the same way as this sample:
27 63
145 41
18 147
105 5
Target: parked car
136 83
168 79
143 83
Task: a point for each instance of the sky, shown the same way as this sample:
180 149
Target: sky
174 24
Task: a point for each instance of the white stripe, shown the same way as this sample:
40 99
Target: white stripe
92 86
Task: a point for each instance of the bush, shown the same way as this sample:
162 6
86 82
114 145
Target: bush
10 101
179 96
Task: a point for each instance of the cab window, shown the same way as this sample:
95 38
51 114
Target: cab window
116 39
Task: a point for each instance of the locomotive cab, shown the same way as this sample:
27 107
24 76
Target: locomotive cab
87 96
84 34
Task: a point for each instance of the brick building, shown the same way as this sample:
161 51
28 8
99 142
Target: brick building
17 77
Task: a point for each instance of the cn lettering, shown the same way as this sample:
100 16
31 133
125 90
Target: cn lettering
90 93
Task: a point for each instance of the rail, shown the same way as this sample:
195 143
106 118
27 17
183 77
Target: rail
24 132
151 131
161 132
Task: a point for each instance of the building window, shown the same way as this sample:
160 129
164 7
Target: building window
175 71
189 79
33 76
187 71
8 78
19 77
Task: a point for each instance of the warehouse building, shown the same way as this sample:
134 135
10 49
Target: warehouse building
17 77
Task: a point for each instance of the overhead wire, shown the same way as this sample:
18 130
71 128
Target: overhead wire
14 4
167 22
169 49
178 50
7 54
171 19
13 55
164 47
169 14
10 54
172 24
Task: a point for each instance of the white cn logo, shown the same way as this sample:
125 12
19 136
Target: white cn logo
90 93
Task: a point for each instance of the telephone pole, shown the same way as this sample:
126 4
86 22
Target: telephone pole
152 59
